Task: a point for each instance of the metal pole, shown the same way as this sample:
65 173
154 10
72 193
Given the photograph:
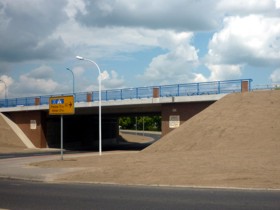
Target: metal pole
5 92
61 137
100 130
136 125
5 88
100 121
73 79
143 125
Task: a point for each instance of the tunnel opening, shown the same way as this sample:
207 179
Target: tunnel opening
81 132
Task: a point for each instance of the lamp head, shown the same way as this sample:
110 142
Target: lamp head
79 57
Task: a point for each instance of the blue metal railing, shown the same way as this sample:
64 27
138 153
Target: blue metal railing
274 86
188 89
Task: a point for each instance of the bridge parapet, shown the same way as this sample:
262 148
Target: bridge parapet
188 89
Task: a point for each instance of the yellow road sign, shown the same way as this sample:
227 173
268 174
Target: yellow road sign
61 105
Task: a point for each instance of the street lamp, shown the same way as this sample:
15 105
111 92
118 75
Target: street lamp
5 91
5 88
99 80
73 79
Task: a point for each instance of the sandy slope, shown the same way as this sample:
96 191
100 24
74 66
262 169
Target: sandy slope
238 122
233 143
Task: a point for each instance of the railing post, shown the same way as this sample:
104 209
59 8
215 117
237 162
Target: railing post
244 86
178 90
219 87
37 101
155 92
89 96
197 88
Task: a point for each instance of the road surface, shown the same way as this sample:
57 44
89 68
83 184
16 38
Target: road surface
36 195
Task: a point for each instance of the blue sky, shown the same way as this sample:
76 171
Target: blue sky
135 43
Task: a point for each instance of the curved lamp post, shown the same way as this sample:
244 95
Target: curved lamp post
99 80
73 79
5 88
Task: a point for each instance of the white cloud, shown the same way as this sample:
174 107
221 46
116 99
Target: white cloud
246 33
42 72
109 42
156 14
173 67
241 7
104 75
73 7
224 72
34 86
26 27
112 80
5 82
277 4
252 40
199 78
38 81
171 40
78 71
275 76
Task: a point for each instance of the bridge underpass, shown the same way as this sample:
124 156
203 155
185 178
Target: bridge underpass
81 129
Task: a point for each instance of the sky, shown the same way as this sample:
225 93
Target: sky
135 43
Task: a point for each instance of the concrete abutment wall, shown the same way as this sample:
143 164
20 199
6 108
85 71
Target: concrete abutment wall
33 124
173 115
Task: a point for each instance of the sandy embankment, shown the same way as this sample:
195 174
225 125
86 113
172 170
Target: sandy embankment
233 143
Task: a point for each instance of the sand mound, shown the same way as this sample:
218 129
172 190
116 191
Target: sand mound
233 143
238 122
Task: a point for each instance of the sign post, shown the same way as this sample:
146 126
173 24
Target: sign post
61 105
61 137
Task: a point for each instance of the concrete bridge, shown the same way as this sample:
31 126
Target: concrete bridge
174 103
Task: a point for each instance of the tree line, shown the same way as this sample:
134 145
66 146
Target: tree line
147 123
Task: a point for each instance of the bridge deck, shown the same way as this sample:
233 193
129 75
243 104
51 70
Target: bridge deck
140 95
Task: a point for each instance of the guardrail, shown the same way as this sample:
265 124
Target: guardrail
266 87
188 89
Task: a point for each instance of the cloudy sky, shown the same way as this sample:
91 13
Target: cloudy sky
135 43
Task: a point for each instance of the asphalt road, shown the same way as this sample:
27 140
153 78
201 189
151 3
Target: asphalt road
154 135
26 154
36 195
